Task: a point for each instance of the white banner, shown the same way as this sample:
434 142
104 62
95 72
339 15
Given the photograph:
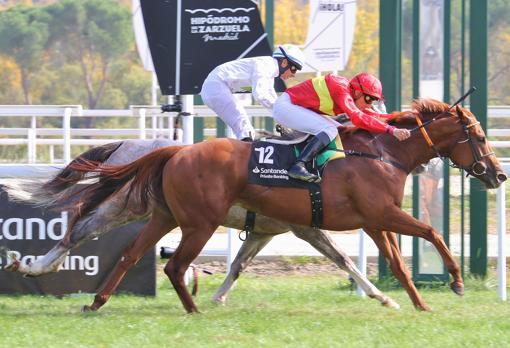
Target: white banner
141 36
330 34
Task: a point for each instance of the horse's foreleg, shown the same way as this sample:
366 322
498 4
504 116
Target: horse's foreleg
159 225
388 246
401 222
322 241
249 249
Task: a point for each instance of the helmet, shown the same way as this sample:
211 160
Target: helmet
292 53
367 84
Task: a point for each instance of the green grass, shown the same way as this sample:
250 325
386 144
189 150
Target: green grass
271 311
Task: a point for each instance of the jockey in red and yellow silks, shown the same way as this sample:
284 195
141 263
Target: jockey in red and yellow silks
330 95
304 106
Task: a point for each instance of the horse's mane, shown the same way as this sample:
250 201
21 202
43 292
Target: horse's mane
425 106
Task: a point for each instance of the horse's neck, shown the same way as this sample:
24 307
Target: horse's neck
413 151
409 154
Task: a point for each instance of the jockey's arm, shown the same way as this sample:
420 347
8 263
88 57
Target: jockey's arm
263 87
363 119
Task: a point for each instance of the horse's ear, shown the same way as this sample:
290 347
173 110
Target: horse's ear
461 113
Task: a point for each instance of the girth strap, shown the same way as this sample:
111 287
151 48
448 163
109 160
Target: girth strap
249 224
316 200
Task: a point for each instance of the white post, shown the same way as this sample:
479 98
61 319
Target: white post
52 154
154 90
231 247
31 145
362 259
66 126
170 120
141 123
501 242
187 121
154 123
171 130
32 139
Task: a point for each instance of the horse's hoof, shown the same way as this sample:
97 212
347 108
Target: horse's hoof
390 304
87 309
220 300
424 308
457 288
12 264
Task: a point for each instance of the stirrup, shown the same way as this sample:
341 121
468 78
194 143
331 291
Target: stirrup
299 172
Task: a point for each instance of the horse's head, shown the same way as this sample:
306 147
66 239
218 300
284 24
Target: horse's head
464 142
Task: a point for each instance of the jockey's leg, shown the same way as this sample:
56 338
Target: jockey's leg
299 118
220 99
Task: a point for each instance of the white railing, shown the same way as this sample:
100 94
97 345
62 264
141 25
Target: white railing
161 125
66 136
501 230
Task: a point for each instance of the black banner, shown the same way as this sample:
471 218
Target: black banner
31 232
211 32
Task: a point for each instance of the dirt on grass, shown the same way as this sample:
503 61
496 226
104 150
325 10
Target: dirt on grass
284 266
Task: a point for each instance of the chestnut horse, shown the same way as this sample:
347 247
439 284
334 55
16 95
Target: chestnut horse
56 192
199 183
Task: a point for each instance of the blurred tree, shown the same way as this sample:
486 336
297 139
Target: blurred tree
10 77
365 48
92 34
290 21
23 36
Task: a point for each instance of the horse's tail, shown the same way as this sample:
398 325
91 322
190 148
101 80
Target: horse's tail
55 191
145 175
68 177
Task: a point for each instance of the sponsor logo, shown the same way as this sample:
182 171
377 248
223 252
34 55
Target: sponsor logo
33 228
256 170
217 26
331 6
89 264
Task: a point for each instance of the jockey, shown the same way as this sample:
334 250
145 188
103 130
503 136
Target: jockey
305 106
254 75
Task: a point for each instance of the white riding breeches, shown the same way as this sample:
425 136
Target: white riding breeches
303 119
217 95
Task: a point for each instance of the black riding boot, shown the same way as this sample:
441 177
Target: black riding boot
298 169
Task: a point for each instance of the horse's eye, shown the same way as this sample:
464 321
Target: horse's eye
481 139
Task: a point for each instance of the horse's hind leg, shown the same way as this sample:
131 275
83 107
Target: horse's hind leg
159 225
249 249
388 246
321 241
192 242
42 265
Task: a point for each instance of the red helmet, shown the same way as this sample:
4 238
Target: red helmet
367 84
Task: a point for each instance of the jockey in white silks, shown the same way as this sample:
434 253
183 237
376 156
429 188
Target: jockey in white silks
255 75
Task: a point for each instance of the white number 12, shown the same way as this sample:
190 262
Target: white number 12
265 154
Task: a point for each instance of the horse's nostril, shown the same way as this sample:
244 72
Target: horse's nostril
501 177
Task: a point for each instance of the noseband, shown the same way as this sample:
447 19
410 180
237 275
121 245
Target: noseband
477 168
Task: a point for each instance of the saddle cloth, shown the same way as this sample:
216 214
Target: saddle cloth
270 159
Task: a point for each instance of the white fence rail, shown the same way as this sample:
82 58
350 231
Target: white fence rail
161 125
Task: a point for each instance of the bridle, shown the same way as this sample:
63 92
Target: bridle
477 168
